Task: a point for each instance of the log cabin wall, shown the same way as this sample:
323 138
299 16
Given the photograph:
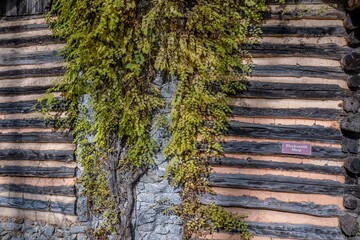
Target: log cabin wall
298 92
37 165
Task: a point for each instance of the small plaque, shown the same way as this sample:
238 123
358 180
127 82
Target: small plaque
296 148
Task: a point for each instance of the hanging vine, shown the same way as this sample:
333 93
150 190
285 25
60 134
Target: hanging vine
114 50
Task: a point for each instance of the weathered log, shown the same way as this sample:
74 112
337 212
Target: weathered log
296 231
284 14
307 113
23 7
44 137
21 123
352 5
352 164
351 104
306 208
269 148
38 72
24 107
12 91
353 39
350 202
327 51
258 164
353 82
350 145
283 184
33 58
299 71
49 190
351 125
350 63
48 172
291 90
323 31
39 205
349 225
352 20
298 132
36 155
22 28
29 41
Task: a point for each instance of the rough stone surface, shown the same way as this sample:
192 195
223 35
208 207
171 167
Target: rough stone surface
352 164
12 229
349 225
351 125
353 5
351 62
353 82
153 193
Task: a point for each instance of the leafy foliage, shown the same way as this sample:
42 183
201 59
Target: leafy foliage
115 49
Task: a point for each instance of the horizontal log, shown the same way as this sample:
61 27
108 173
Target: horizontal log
31 204
288 30
258 164
49 190
306 208
39 72
45 155
24 107
327 51
298 132
265 148
22 28
299 71
13 91
44 137
307 113
21 123
283 184
27 59
29 41
304 232
306 2
48 172
291 90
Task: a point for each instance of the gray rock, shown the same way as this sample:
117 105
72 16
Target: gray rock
78 229
349 225
350 202
49 231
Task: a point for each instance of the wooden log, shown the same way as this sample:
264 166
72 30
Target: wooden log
23 28
283 184
298 132
326 51
353 82
39 72
50 190
36 155
298 71
350 125
258 164
291 90
352 21
306 208
351 104
43 137
300 113
279 230
352 164
48 172
350 145
269 148
352 5
353 39
323 31
31 204
22 123
351 62
25 107
29 41
306 2
28 59
13 91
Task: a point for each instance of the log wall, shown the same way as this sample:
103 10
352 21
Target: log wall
300 91
37 166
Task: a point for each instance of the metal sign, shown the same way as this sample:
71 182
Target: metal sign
296 148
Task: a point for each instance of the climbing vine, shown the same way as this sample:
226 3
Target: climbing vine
115 49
